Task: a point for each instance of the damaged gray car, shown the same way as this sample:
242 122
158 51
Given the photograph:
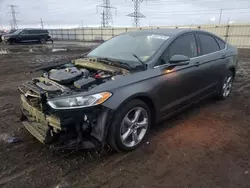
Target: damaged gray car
118 90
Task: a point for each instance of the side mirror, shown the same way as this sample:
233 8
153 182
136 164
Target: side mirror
179 59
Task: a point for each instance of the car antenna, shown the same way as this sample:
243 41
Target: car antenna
139 59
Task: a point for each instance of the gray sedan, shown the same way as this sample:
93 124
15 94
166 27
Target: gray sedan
120 89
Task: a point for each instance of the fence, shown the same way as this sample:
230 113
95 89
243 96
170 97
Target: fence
237 35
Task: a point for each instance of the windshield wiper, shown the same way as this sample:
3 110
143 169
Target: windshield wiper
116 62
139 59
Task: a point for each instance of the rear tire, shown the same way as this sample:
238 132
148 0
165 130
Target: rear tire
42 41
225 87
130 126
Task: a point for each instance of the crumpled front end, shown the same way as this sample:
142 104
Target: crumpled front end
37 123
65 129
84 126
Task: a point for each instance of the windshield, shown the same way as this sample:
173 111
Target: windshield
122 47
17 31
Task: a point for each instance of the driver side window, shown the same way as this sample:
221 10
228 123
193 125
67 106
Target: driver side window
24 32
183 45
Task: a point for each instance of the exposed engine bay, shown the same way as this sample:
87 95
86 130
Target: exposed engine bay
79 75
70 127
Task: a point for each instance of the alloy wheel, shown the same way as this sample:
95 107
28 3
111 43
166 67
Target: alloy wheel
227 86
134 127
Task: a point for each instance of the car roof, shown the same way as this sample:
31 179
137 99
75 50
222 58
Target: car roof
168 32
34 29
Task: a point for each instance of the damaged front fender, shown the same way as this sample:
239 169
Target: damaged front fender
99 131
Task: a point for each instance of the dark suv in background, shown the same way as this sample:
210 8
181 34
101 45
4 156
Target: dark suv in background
27 35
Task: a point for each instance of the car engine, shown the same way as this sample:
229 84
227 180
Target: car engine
79 75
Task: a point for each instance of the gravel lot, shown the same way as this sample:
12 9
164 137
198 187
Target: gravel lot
206 146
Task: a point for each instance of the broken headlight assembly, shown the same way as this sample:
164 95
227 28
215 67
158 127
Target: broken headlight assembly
80 101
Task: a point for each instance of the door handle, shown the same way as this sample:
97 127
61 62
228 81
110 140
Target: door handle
223 56
197 64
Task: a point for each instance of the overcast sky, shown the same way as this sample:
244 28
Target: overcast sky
72 13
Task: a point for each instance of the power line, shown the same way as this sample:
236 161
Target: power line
136 14
14 20
200 10
106 15
197 1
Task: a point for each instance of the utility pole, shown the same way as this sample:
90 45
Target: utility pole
103 19
106 16
42 23
220 15
136 14
13 13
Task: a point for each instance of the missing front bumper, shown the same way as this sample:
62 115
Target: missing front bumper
40 125
33 114
51 130
39 131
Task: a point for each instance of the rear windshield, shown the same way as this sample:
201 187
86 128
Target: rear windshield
222 44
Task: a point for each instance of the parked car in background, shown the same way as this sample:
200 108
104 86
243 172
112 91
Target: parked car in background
11 31
124 86
1 34
27 35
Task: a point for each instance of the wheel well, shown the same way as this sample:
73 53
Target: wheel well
232 69
12 40
151 106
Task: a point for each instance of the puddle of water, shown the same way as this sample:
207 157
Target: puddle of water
3 51
59 50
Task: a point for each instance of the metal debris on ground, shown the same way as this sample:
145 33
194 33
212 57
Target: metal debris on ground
8 138
63 184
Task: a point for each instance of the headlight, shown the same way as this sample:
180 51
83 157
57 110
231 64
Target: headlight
79 101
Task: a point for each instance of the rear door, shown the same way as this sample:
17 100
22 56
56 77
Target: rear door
211 61
178 86
35 35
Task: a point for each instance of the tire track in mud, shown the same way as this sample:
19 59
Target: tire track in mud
16 175
58 161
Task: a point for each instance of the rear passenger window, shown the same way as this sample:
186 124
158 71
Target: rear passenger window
184 45
36 31
208 44
222 44
31 32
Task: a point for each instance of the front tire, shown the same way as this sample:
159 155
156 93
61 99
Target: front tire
12 42
130 126
226 86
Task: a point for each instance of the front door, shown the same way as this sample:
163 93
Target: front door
25 36
179 86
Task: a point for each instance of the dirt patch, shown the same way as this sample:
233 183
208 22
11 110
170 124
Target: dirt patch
206 146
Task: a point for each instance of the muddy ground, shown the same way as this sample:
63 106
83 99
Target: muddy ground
206 146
